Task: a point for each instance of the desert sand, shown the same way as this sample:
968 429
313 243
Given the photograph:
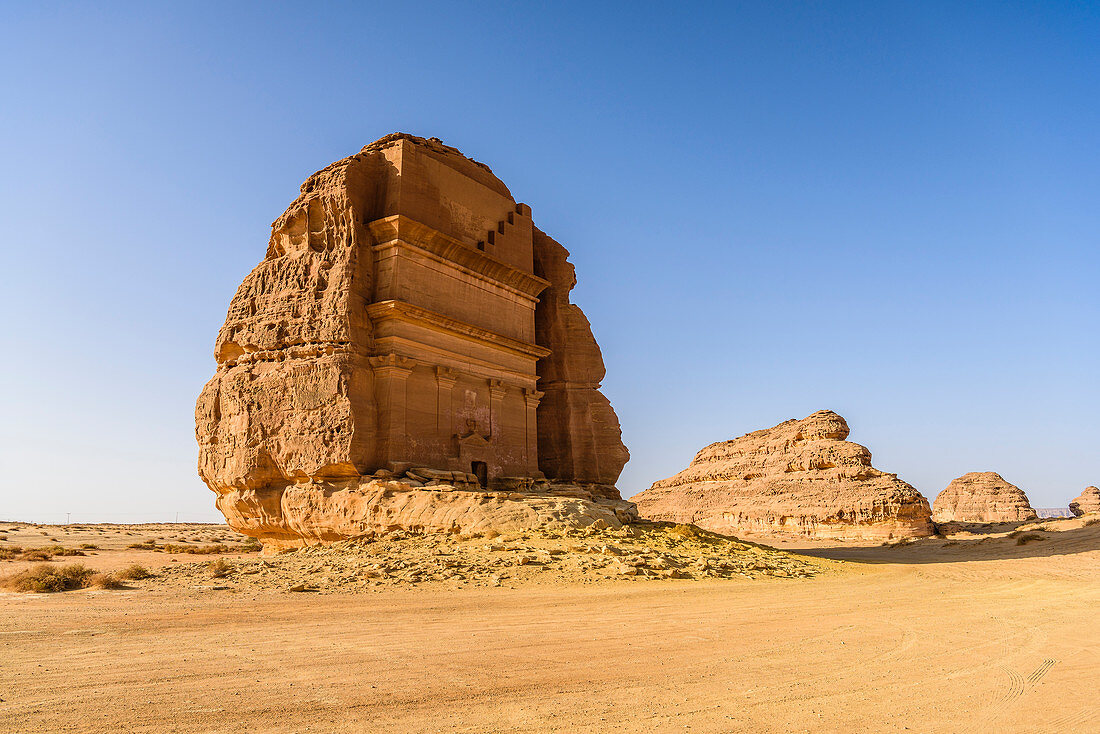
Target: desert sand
980 631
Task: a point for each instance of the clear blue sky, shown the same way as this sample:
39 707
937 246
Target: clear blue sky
891 210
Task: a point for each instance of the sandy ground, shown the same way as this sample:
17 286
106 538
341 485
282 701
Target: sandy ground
974 633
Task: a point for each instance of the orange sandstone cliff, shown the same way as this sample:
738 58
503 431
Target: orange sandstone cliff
409 329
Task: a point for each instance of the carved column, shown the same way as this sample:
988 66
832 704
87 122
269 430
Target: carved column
391 374
532 398
445 379
496 400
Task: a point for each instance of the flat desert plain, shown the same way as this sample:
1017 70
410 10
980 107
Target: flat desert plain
970 633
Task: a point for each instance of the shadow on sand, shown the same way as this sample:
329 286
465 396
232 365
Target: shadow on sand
975 543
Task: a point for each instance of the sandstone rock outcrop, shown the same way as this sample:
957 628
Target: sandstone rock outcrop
983 497
396 322
799 478
1087 502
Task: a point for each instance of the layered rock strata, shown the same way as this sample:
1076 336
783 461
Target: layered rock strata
982 497
407 314
1086 503
799 478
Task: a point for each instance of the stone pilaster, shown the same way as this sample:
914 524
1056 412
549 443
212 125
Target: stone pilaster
445 379
497 388
532 398
391 374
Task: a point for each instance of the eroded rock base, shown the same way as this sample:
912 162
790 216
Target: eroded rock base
316 512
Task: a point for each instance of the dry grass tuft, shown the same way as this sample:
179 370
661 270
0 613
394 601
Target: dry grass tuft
36 554
147 545
60 550
135 572
1093 521
44 578
8 554
105 581
89 546
198 550
1028 537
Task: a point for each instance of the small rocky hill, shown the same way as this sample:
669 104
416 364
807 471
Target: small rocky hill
982 497
800 477
1086 502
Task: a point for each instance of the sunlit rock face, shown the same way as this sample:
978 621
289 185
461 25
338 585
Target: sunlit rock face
982 497
407 315
1086 503
800 477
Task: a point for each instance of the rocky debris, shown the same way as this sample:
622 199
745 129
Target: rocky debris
799 478
1086 502
983 497
646 551
403 325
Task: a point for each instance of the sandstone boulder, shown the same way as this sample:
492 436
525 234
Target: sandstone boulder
1086 502
799 478
407 317
983 497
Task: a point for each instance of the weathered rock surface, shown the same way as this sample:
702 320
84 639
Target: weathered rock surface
800 477
1087 502
321 511
396 322
982 497
579 435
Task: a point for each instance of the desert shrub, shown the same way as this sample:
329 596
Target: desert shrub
135 572
7 554
220 568
146 545
44 578
89 546
252 544
36 554
1028 537
104 581
198 550
1093 521
60 550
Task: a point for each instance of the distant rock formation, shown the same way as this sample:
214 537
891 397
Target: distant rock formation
798 478
1087 502
982 497
408 313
